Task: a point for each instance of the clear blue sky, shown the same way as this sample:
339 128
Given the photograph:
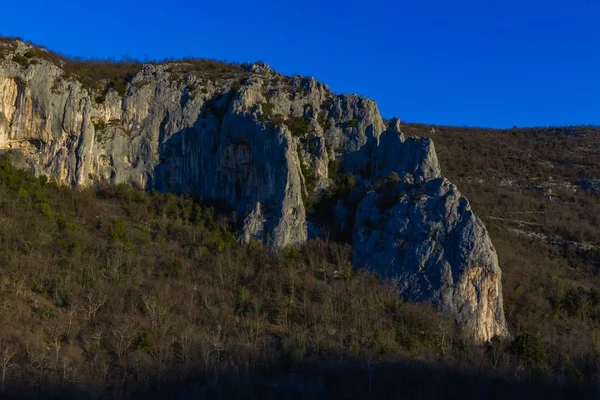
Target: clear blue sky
480 63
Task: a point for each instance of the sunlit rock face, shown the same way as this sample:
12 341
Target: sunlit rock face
262 143
426 237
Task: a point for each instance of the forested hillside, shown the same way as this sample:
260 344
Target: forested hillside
112 292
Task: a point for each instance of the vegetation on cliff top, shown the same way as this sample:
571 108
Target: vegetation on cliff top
104 74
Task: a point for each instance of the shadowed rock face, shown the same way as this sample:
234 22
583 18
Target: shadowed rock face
261 142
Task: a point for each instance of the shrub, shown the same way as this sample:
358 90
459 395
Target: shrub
145 342
530 349
310 177
323 120
20 59
277 122
267 111
290 253
119 84
333 168
393 178
99 125
576 302
118 230
298 126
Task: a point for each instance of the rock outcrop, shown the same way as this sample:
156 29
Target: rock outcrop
265 144
425 237
412 156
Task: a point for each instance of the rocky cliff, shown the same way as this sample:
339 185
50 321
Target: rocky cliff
267 145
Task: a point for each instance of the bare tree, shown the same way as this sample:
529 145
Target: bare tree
94 302
7 352
123 337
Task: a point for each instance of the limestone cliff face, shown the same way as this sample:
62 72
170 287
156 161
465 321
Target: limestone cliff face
426 237
263 143
187 133
415 227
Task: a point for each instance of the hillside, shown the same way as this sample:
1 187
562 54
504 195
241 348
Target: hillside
198 228
281 152
115 292
536 190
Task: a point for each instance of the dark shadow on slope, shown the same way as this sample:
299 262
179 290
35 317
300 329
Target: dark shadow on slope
355 380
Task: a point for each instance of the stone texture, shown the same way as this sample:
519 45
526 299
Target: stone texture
254 226
426 238
412 156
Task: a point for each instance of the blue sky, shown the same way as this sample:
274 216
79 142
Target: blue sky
464 62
